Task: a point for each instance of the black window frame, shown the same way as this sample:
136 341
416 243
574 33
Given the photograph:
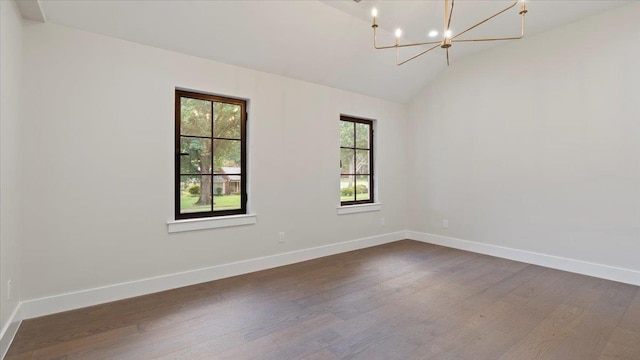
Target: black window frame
371 173
179 94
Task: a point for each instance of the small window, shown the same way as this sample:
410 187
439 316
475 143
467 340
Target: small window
356 161
211 157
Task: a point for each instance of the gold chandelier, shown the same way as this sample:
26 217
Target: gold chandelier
448 38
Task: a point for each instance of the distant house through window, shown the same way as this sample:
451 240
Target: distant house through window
224 184
356 161
210 165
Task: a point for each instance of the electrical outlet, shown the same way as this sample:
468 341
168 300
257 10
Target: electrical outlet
445 224
9 290
281 237
382 222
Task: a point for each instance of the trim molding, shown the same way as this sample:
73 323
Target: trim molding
210 223
556 262
352 209
32 10
9 331
83 298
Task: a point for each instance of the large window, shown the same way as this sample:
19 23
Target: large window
356 161
210 165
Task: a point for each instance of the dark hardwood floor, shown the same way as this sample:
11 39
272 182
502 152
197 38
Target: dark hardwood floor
404 300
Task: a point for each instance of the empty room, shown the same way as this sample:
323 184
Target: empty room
319 179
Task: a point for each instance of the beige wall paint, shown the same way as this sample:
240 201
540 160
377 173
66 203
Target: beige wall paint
10 156
102 173
536 145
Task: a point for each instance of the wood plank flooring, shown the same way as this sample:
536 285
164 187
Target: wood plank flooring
404 300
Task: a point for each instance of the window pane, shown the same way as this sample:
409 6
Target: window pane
346 134
195 117
346 161
362 136
195 155
362 188
356 153
346 188
210 135
362 162
227 192
226 122
195 194
226 156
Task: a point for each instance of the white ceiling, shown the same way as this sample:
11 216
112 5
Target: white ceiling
324 42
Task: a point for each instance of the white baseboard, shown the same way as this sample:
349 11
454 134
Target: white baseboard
83 298
555 262
9 331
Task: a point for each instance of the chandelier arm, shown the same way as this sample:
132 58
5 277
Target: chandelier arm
399 45
522 32
414 56
450 14
417 44
515 2
489 39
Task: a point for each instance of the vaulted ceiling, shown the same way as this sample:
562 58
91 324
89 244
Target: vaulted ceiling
324 42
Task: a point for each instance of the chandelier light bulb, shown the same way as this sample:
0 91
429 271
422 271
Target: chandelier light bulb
447 34
398 32
433 33
523 7
374 12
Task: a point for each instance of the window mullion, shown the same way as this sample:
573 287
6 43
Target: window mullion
213 170
355 158
371 169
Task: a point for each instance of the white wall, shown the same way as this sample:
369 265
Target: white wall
536 145
98 155
10 189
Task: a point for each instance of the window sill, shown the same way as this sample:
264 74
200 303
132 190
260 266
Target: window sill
210 223
352 209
